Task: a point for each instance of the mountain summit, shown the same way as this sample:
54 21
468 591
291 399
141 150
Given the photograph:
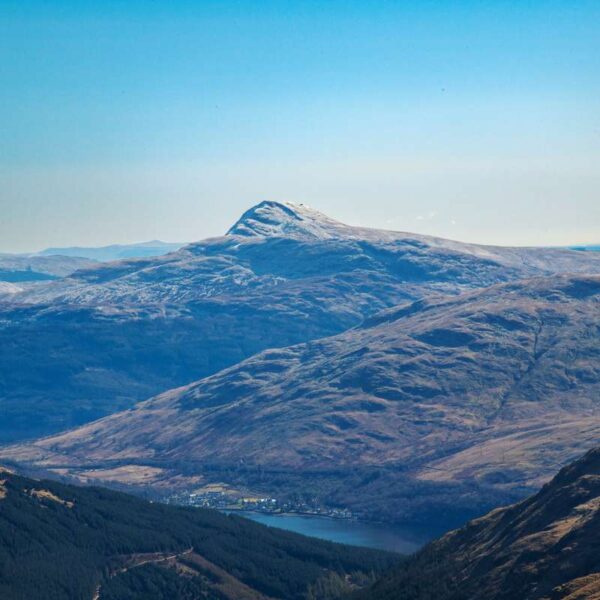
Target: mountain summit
286 219
84 346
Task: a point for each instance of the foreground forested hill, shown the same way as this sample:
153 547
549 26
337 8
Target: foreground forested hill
63 542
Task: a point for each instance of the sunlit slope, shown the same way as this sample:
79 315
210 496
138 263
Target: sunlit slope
484 394
77 349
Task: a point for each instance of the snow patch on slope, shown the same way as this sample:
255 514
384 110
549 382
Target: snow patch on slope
7 288
270 219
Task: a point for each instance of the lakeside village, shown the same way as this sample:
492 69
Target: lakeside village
222 500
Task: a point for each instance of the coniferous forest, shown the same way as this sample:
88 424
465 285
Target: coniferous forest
61 542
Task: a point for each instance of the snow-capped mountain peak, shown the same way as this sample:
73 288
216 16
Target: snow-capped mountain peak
271 219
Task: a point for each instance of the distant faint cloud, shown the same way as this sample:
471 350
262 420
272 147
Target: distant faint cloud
432 214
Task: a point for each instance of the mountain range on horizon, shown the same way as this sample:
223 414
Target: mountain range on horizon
115 251
57 262
84 346
345 402
19 271
590 247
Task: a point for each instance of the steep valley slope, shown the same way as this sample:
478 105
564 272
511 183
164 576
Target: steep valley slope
110 335
61 542
544 548
444 407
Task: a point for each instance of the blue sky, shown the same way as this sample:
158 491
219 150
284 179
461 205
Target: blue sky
124 121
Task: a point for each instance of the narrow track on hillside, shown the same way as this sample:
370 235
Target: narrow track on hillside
144 559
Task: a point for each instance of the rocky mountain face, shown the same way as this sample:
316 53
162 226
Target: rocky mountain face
444 406
544 548
115 333
60 542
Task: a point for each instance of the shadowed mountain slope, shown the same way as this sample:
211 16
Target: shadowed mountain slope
481 395
77 349
61 542
544 548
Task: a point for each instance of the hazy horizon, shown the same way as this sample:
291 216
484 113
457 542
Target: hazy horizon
217 234
471 121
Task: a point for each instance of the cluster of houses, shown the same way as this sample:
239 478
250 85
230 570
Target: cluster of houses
224 500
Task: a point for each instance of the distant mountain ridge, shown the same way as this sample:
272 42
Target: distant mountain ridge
591 248
115 333
115 251
18 268
278 244
56 263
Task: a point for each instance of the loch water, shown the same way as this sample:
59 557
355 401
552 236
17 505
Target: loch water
397 538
